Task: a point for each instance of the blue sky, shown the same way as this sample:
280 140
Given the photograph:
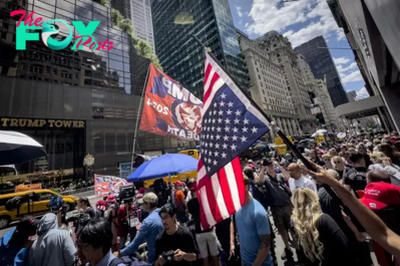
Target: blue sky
300 21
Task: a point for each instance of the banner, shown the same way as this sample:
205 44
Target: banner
125 170
22 188
169 109
105 185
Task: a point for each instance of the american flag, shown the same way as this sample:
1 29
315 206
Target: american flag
230 125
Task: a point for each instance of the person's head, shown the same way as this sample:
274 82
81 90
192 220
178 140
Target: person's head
338 163
168 216
333 152
306 212
83 203
357 159
148 202
25 228
343 147
387 149
248 171
270 167
111 199
377 157
379 195
192 185
95 240
378 176
327 159
376 142
295 171
361 148
178 185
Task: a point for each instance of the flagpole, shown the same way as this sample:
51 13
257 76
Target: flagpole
138 116
282 135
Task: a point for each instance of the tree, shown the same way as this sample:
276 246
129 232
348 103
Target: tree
126 26
116 17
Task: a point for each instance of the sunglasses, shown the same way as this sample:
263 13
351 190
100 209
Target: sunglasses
338 162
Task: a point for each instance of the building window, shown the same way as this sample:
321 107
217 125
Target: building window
48 70
36 69
55 71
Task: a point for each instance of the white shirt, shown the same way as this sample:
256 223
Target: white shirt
302 182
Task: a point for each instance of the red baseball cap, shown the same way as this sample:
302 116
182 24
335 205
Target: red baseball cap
379 195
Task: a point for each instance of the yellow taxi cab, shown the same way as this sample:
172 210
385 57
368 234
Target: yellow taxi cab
38 205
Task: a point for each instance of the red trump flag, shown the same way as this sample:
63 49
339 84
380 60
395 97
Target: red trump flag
169 109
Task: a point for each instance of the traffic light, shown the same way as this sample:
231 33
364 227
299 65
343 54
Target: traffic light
320 118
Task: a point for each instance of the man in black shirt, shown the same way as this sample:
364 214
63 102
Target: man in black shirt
175 244
206 239
281 206
355 179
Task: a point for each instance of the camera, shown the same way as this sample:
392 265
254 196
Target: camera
168 255
126 193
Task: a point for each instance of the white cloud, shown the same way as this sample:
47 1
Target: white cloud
239 11
267 16
362 93
348 72
341 60
352 77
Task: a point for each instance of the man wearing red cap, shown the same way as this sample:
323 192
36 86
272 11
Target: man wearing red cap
180 203
384 200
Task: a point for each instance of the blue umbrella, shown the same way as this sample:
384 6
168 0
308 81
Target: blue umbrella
166 165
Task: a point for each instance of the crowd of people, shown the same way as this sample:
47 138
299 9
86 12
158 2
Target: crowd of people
330 215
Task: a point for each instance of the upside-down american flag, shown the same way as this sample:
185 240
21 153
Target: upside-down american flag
230 125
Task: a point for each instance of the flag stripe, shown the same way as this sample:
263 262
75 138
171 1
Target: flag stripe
210 89
232 184
217 85
219 195
207 76
226 189
212 202
237 168
203 208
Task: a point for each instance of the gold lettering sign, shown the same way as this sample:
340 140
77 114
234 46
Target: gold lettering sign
40 123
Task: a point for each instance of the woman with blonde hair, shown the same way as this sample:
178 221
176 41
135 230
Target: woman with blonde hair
321 239
339 165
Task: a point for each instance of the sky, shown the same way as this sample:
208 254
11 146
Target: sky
300 21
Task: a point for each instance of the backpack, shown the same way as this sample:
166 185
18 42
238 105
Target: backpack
128 261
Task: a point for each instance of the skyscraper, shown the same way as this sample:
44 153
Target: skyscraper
175 21
142 21
352 95
281 53
122 6
268 87
322 64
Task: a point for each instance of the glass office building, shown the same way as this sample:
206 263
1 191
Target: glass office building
321 64
175 21
73 102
